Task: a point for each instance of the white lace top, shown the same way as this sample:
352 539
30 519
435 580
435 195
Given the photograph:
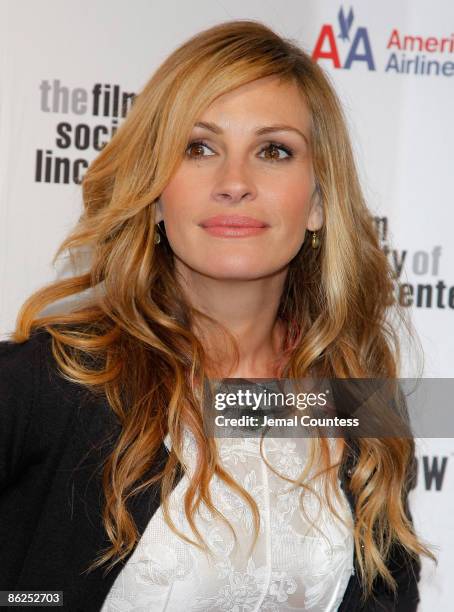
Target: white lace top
292 567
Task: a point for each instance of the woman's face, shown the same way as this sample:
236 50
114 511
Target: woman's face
251 159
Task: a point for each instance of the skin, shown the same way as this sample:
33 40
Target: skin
239 281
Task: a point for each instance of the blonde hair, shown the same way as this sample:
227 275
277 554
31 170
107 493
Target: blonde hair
136 327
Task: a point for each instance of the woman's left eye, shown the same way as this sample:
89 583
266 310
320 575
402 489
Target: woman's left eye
274 146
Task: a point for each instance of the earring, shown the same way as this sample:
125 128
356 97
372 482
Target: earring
157 235
315 240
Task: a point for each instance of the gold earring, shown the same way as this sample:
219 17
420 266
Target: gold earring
157 235
315 240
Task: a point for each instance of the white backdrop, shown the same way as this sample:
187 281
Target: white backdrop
392 64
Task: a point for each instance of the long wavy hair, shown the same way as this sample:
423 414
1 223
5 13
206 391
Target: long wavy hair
132 336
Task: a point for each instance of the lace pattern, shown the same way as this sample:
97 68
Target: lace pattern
292 567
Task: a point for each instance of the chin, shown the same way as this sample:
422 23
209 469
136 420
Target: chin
236 272
232 266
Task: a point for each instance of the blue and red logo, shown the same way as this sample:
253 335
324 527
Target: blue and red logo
344 46
357 41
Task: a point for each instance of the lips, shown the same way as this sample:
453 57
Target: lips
232 221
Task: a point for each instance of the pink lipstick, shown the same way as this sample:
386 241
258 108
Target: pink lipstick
233 226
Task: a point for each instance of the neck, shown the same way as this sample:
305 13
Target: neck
248 310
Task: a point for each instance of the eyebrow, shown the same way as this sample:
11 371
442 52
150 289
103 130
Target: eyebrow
259 132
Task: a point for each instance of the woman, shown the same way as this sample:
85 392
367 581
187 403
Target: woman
228 238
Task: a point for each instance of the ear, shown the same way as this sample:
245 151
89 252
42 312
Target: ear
158 213
316 216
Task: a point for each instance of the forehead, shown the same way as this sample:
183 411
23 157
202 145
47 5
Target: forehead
264 100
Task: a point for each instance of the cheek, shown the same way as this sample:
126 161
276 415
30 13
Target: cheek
294 206
293 214
181 197
175 204
296 213
183 182
293 185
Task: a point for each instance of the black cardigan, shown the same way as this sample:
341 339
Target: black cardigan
53 437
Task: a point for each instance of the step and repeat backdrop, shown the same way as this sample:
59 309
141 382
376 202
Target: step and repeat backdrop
68 71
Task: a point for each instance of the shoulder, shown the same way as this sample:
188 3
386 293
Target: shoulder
19 361
20 376
39 408
29 369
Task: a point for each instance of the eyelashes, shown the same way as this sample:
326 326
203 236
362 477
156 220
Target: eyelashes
269 146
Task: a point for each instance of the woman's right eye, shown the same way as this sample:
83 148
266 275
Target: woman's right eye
198 145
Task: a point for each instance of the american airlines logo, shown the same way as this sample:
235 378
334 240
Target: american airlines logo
345 46
356 43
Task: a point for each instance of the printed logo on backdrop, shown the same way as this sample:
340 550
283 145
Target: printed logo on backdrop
428 289
346 45
85 120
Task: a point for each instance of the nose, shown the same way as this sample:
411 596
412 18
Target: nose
234 184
